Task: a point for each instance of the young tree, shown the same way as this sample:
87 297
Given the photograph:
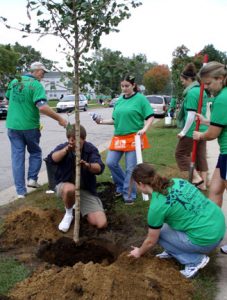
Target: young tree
80 24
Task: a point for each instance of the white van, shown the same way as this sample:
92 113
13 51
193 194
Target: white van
159 105
67 103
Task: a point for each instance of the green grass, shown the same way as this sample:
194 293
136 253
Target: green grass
11 272
163 142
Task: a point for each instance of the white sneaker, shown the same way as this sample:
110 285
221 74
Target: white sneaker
191 271
65 223
20 196
163 255
224 249
33 183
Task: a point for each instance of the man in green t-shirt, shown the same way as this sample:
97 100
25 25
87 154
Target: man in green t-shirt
27 98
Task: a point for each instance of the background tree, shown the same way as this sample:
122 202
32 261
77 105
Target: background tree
156 79
80 23
106 69
28 55
8 64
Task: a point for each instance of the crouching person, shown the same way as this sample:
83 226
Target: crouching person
91 165
181 220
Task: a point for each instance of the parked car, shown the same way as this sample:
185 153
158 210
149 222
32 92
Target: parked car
159 105
3 109
112 102
67 103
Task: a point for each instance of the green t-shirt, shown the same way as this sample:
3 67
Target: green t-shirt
173 104
219 118
129 114
191 102
23 95
186 209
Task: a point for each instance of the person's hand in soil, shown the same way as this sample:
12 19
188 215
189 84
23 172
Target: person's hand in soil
135 252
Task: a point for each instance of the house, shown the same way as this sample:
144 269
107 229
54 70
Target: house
56 85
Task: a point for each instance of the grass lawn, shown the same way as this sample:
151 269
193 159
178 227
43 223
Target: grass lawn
163 142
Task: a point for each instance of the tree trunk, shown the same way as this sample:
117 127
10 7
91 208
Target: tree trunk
77 134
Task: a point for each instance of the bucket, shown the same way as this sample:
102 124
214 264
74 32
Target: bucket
168 120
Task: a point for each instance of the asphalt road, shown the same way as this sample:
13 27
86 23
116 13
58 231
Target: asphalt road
52 135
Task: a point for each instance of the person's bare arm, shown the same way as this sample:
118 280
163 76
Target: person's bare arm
212 133
94 168
46 110
149 242
148 123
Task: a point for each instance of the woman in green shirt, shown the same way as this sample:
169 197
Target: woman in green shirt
214 77
184 147
132 115
180 218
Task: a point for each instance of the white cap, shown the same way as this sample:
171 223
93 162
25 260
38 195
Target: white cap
38 66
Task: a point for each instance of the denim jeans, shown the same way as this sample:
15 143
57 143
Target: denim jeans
19 140
122 178
177 244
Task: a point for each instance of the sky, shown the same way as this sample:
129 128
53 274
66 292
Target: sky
155 29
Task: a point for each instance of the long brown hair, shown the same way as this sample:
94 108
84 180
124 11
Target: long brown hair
146 174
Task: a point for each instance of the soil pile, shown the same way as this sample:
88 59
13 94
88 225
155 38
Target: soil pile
147 278
97 269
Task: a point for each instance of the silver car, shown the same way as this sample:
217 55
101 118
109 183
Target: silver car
67 103
159 105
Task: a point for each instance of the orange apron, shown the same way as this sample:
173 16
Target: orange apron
126 143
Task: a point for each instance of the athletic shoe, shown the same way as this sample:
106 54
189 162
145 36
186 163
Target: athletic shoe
20 196
224 249
33 183
191 271
65 223
129 202
117 194
164 255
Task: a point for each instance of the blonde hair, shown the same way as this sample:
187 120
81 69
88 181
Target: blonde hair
214 69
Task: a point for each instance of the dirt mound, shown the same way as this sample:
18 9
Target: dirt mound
147 278
96 269
28 226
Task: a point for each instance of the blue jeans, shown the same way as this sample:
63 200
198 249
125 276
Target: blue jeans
122 178
177 244
19 140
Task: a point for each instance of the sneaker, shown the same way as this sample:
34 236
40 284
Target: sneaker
117 194
224 249
33 183
191 271
129 202
20 196
164 255
65 223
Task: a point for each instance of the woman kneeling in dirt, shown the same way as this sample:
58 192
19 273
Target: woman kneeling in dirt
91 165
180 218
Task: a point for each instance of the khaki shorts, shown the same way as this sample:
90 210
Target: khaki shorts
89 203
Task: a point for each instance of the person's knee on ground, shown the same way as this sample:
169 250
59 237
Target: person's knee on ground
97 219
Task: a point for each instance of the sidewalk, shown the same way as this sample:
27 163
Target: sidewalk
212 154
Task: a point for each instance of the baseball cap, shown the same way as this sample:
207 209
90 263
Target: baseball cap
38 66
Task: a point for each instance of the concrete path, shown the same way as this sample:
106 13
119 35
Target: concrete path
212 155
